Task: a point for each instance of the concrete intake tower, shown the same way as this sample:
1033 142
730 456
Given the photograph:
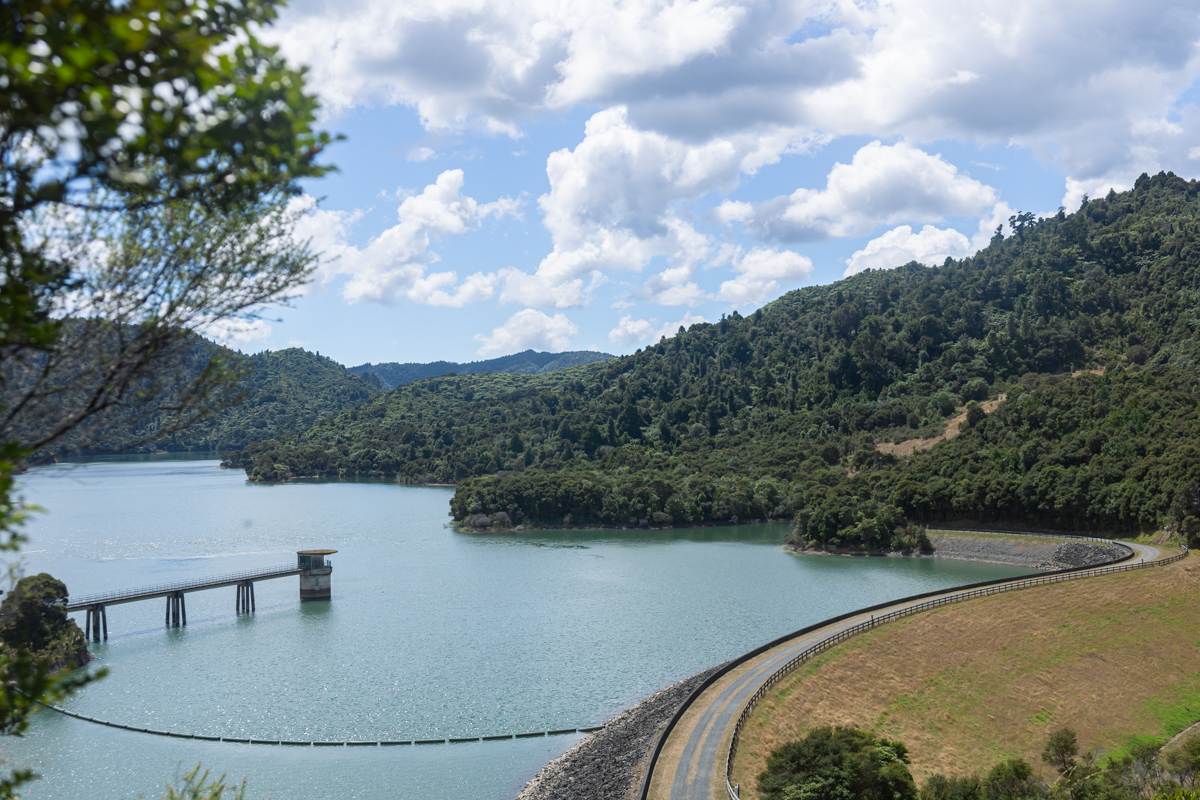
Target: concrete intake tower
315 573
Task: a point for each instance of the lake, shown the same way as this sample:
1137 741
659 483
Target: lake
430 632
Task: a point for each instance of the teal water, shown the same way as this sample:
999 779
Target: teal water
430 633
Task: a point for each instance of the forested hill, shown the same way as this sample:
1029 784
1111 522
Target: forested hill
780 413
275 393
392 374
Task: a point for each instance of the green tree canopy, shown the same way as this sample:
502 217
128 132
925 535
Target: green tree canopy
838 764
34 616
1012 779
1061 750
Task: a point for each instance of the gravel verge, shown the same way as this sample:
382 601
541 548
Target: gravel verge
608 764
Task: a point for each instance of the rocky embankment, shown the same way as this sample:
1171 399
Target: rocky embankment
608 764
1043 554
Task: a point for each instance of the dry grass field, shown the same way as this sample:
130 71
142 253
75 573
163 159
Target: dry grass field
1116 658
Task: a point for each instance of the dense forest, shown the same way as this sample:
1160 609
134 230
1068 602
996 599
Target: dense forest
269 394
392 374
1086 324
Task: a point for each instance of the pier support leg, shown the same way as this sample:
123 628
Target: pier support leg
176 610
95 627
245 598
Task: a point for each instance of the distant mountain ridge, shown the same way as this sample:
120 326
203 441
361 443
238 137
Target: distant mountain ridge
276 393
273 393
528 362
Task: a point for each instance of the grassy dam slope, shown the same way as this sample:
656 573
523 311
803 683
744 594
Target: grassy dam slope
1113 657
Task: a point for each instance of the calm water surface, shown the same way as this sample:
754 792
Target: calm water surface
431 633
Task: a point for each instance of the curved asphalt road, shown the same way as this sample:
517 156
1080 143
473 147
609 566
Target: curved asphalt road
692 763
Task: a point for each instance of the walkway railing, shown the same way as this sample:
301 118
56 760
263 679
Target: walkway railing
143 592
734 790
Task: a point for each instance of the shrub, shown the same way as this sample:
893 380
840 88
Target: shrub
1012 779
33 618
838 764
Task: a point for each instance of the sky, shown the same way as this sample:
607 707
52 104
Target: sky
579 175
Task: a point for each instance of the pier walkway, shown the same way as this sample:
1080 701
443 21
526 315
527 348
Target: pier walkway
163 589
310 566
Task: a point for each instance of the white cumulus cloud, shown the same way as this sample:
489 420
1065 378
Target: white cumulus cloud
882 184
630 331
1088 86
930 246
614 204
763 273
237 332
1096 88
396 264
528 328
460 63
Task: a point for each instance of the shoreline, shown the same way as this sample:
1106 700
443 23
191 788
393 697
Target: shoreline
463 527
993 547
609 764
